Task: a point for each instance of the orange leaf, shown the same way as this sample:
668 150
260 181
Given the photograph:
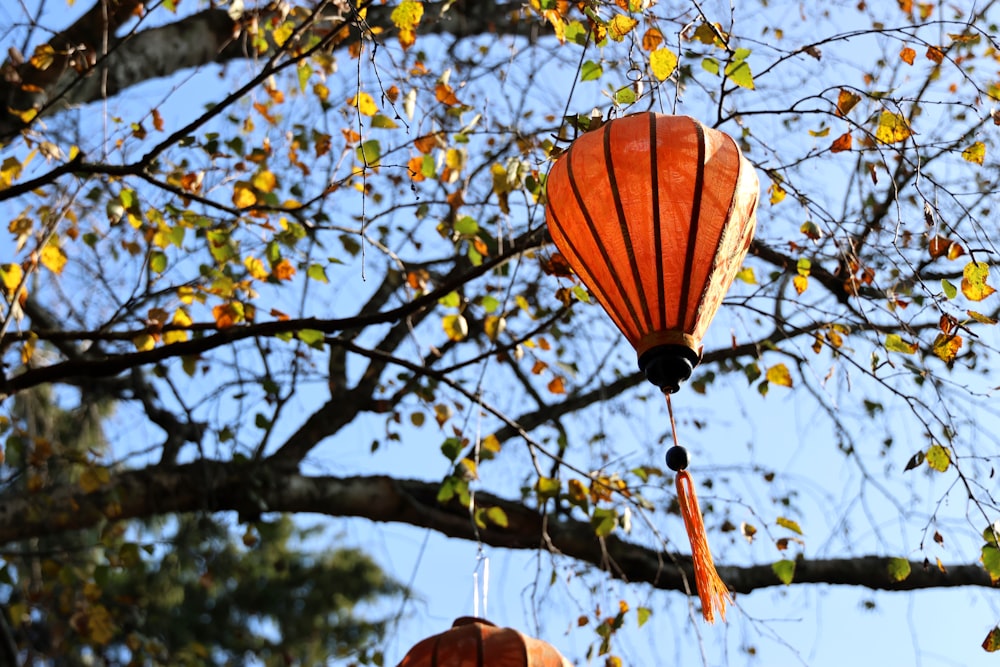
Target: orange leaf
907 55
652 39
556 386
445 95
846 100
935 54
428 142
284 270
842 143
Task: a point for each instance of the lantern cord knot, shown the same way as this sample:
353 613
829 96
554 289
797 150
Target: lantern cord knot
711 590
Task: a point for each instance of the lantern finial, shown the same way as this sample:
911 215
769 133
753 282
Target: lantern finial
667 366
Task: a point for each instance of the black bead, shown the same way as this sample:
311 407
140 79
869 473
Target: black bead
677 458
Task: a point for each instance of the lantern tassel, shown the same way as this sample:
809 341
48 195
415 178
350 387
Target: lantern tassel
711 590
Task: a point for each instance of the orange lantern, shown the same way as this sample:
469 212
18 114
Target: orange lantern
655 214
475 642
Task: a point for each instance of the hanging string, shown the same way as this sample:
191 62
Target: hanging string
482 562
711 590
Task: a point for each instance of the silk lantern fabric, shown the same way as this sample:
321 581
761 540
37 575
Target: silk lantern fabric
655 214
475 642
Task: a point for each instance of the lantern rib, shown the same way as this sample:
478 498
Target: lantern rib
661 295
595 233
626 235
699 186
602 295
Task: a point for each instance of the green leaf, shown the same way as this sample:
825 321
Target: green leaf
738 72
991 561
950 290
643 613
450 300
625 96
311 337
451 448
157 262
710 65
789 524
317 272
590 71
369 153
938 458
383 122
603 521
466 226
898 568
576 33
547 487
497 517
490 303
992 642
785 570
894 343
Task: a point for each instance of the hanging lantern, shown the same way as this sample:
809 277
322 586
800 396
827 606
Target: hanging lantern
475 642
655 214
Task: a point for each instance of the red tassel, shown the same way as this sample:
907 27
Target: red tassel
712 591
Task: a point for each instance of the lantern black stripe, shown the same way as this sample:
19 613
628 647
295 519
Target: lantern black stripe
479 650
599 290
661 296
699 185
623 224
595 234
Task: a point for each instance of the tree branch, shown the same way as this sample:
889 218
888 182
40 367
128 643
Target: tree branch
211 486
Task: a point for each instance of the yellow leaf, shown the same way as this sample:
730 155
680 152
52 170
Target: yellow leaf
946 346
975 153
365 104
974 285
144 342
619 26
662 62
779 375
10 275
777 193
801 283
256 268
243 195
43 57
264 181
407 14
455 327
100 625
938 458
892 128
53 258
91 479
982 319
